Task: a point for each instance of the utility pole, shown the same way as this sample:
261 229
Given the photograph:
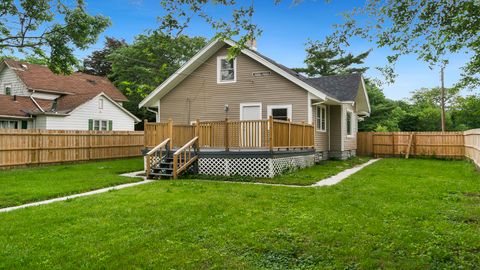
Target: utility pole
442 97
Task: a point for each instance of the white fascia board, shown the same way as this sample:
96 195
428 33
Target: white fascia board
114 103
366 94
179 75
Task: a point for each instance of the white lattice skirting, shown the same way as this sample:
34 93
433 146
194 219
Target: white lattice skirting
254 167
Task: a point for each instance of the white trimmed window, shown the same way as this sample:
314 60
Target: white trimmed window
280 112
104 125
321 118
226 70
8 124
8 89
100 103
350 124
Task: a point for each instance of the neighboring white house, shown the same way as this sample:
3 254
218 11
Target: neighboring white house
32 96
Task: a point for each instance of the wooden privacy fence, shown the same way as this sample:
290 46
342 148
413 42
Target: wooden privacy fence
254 134
472 145
32 146
437 144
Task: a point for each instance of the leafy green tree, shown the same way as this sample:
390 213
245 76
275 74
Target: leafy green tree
323 60
45 26
97 63
139 68
430 97
431 30
466 112
386 113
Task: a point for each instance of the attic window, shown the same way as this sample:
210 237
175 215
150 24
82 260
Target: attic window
226 70
8 89
100 103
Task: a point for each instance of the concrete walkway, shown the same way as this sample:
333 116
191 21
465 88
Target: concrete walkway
93 192
342 175
326 182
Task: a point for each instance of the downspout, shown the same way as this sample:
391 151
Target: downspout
155 112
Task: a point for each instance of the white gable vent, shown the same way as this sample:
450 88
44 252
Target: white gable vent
261 73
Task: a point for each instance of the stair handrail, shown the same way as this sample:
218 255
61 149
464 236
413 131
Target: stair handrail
154 151
178 165
161 145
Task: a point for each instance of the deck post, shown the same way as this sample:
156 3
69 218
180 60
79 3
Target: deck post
170 131
270 124
226 135
197 129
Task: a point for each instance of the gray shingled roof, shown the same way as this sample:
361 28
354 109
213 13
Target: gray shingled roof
341 87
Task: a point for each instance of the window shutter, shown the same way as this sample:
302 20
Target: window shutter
90 124
24 124
110 124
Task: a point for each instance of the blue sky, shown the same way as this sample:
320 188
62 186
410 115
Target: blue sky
286 29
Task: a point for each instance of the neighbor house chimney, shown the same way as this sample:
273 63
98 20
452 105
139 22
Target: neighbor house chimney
252 44
14 97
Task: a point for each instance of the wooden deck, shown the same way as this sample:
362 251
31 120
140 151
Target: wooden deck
227 135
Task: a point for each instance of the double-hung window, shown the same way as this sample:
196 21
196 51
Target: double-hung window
350 127
321 118
8 89
280 112
226 70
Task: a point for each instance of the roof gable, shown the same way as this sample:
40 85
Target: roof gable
41 78
208 51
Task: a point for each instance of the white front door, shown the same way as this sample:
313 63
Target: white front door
251 131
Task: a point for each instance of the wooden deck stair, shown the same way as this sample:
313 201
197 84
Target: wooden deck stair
165 163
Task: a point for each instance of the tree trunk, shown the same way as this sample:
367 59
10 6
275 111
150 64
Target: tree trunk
442 98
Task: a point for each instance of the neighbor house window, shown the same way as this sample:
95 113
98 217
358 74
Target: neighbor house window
349 123
8 89
100 103
321 118
9 124
103 125
280 112
226 70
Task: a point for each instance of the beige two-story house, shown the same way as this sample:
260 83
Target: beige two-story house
210 87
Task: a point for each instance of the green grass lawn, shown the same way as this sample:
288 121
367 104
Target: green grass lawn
21 186
396 213
315 173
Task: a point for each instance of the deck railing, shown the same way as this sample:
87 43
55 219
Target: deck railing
255 134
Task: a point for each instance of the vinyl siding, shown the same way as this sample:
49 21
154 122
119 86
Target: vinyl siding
8 76
199 95
350 142
321 138
78 118
336 128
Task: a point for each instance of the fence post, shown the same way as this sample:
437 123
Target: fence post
303 134
393 143
170 131
270 123
289 133
226 135
145 135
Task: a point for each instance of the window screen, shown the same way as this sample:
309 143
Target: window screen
280 114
